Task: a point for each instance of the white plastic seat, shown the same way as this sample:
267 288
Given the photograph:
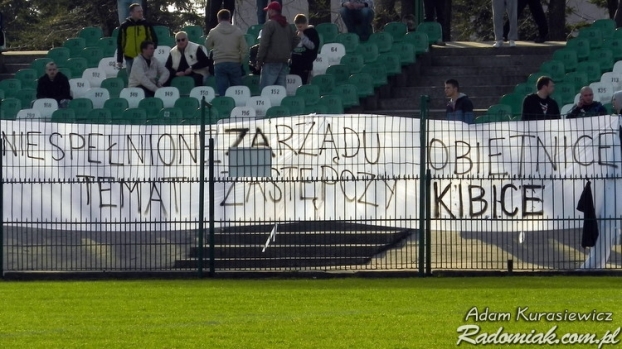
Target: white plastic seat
133 95
565 109
109 66
292 82
33 114
617 67
320 64
275 94
261 104
240 94
242 113
78 87
602 91
334 52
95 76
168 95
161 53
612 78
45 106
199 92
98 96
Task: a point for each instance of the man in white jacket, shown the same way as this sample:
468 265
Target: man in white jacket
147 72
188 59
229 50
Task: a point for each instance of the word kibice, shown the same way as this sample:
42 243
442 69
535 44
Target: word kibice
471 333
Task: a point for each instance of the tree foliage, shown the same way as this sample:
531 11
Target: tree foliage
43 24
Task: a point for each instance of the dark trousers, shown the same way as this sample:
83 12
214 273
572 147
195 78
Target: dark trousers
535 6
303 73
434 10
212 8
618 15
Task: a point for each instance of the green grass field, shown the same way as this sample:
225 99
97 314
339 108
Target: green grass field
332 313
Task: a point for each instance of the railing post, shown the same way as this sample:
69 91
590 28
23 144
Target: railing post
201 188
212 258
428 224
422 180
1 215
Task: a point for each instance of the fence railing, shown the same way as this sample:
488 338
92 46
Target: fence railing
311 193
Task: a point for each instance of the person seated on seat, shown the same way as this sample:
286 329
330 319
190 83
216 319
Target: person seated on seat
54 84
188 59
586 106
147 72
357 15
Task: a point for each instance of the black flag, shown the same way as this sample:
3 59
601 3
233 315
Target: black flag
590 225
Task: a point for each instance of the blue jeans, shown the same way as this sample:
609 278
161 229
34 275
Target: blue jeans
358 21
128 65
273 74
227 74
123 8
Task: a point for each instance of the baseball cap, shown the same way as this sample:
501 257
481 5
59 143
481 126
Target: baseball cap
273 6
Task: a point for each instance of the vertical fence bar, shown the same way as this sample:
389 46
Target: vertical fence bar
422 185
201 188
1 218
212 258
428 224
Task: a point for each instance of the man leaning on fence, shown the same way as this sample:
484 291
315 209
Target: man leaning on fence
540 105
587 106
459 107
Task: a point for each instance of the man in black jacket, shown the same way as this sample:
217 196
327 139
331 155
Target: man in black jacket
305 53
540 105
54 84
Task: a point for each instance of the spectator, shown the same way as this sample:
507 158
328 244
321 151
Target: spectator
435 11
616 100
540 105
277 42
123 8
586 106
459 107
261 13
305 53
229 49
132 33
535 7
54 84
499 8
211 11
357 15
188 59
148 73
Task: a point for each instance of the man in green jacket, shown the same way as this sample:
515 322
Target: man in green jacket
132 33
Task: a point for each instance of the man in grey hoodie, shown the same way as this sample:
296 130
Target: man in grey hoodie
459 107
229 49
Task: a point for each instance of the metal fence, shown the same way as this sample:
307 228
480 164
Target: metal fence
310 193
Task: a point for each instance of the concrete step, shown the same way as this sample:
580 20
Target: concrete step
474 80
482 70
438 91
491 61
288 251
486 49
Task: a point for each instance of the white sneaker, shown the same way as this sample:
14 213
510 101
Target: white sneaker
497 44
512 43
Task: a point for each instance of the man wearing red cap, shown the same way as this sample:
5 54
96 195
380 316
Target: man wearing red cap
278 40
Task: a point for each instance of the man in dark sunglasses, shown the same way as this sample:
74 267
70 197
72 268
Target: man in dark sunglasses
188 59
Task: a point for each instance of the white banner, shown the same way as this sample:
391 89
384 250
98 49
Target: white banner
485 176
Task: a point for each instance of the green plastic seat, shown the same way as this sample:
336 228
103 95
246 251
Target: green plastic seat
533 78
329 31
116 106
81 107
123 75
252 82
566 92
582 46
419 40
250 40
568 57
392 63
378 71
350 41
349 95
108 46
254 30
92 55
100 116
325 82
184 84
277 112
369 51
59 55
525 88
66 72
224 105
332 103
188 105
113 85
77 65
75 46
9 108
433 30
577 78
162 32
515 101
591 69
66 116
310 93
10 87
340 71
555 70
295 104
383 40
606 26
615 45
353 61
134 116
604 58
316 109
91 35
496 112
26 96
195 33
151 105
28 77
364 83
397 30
593 35
406 53
166 116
